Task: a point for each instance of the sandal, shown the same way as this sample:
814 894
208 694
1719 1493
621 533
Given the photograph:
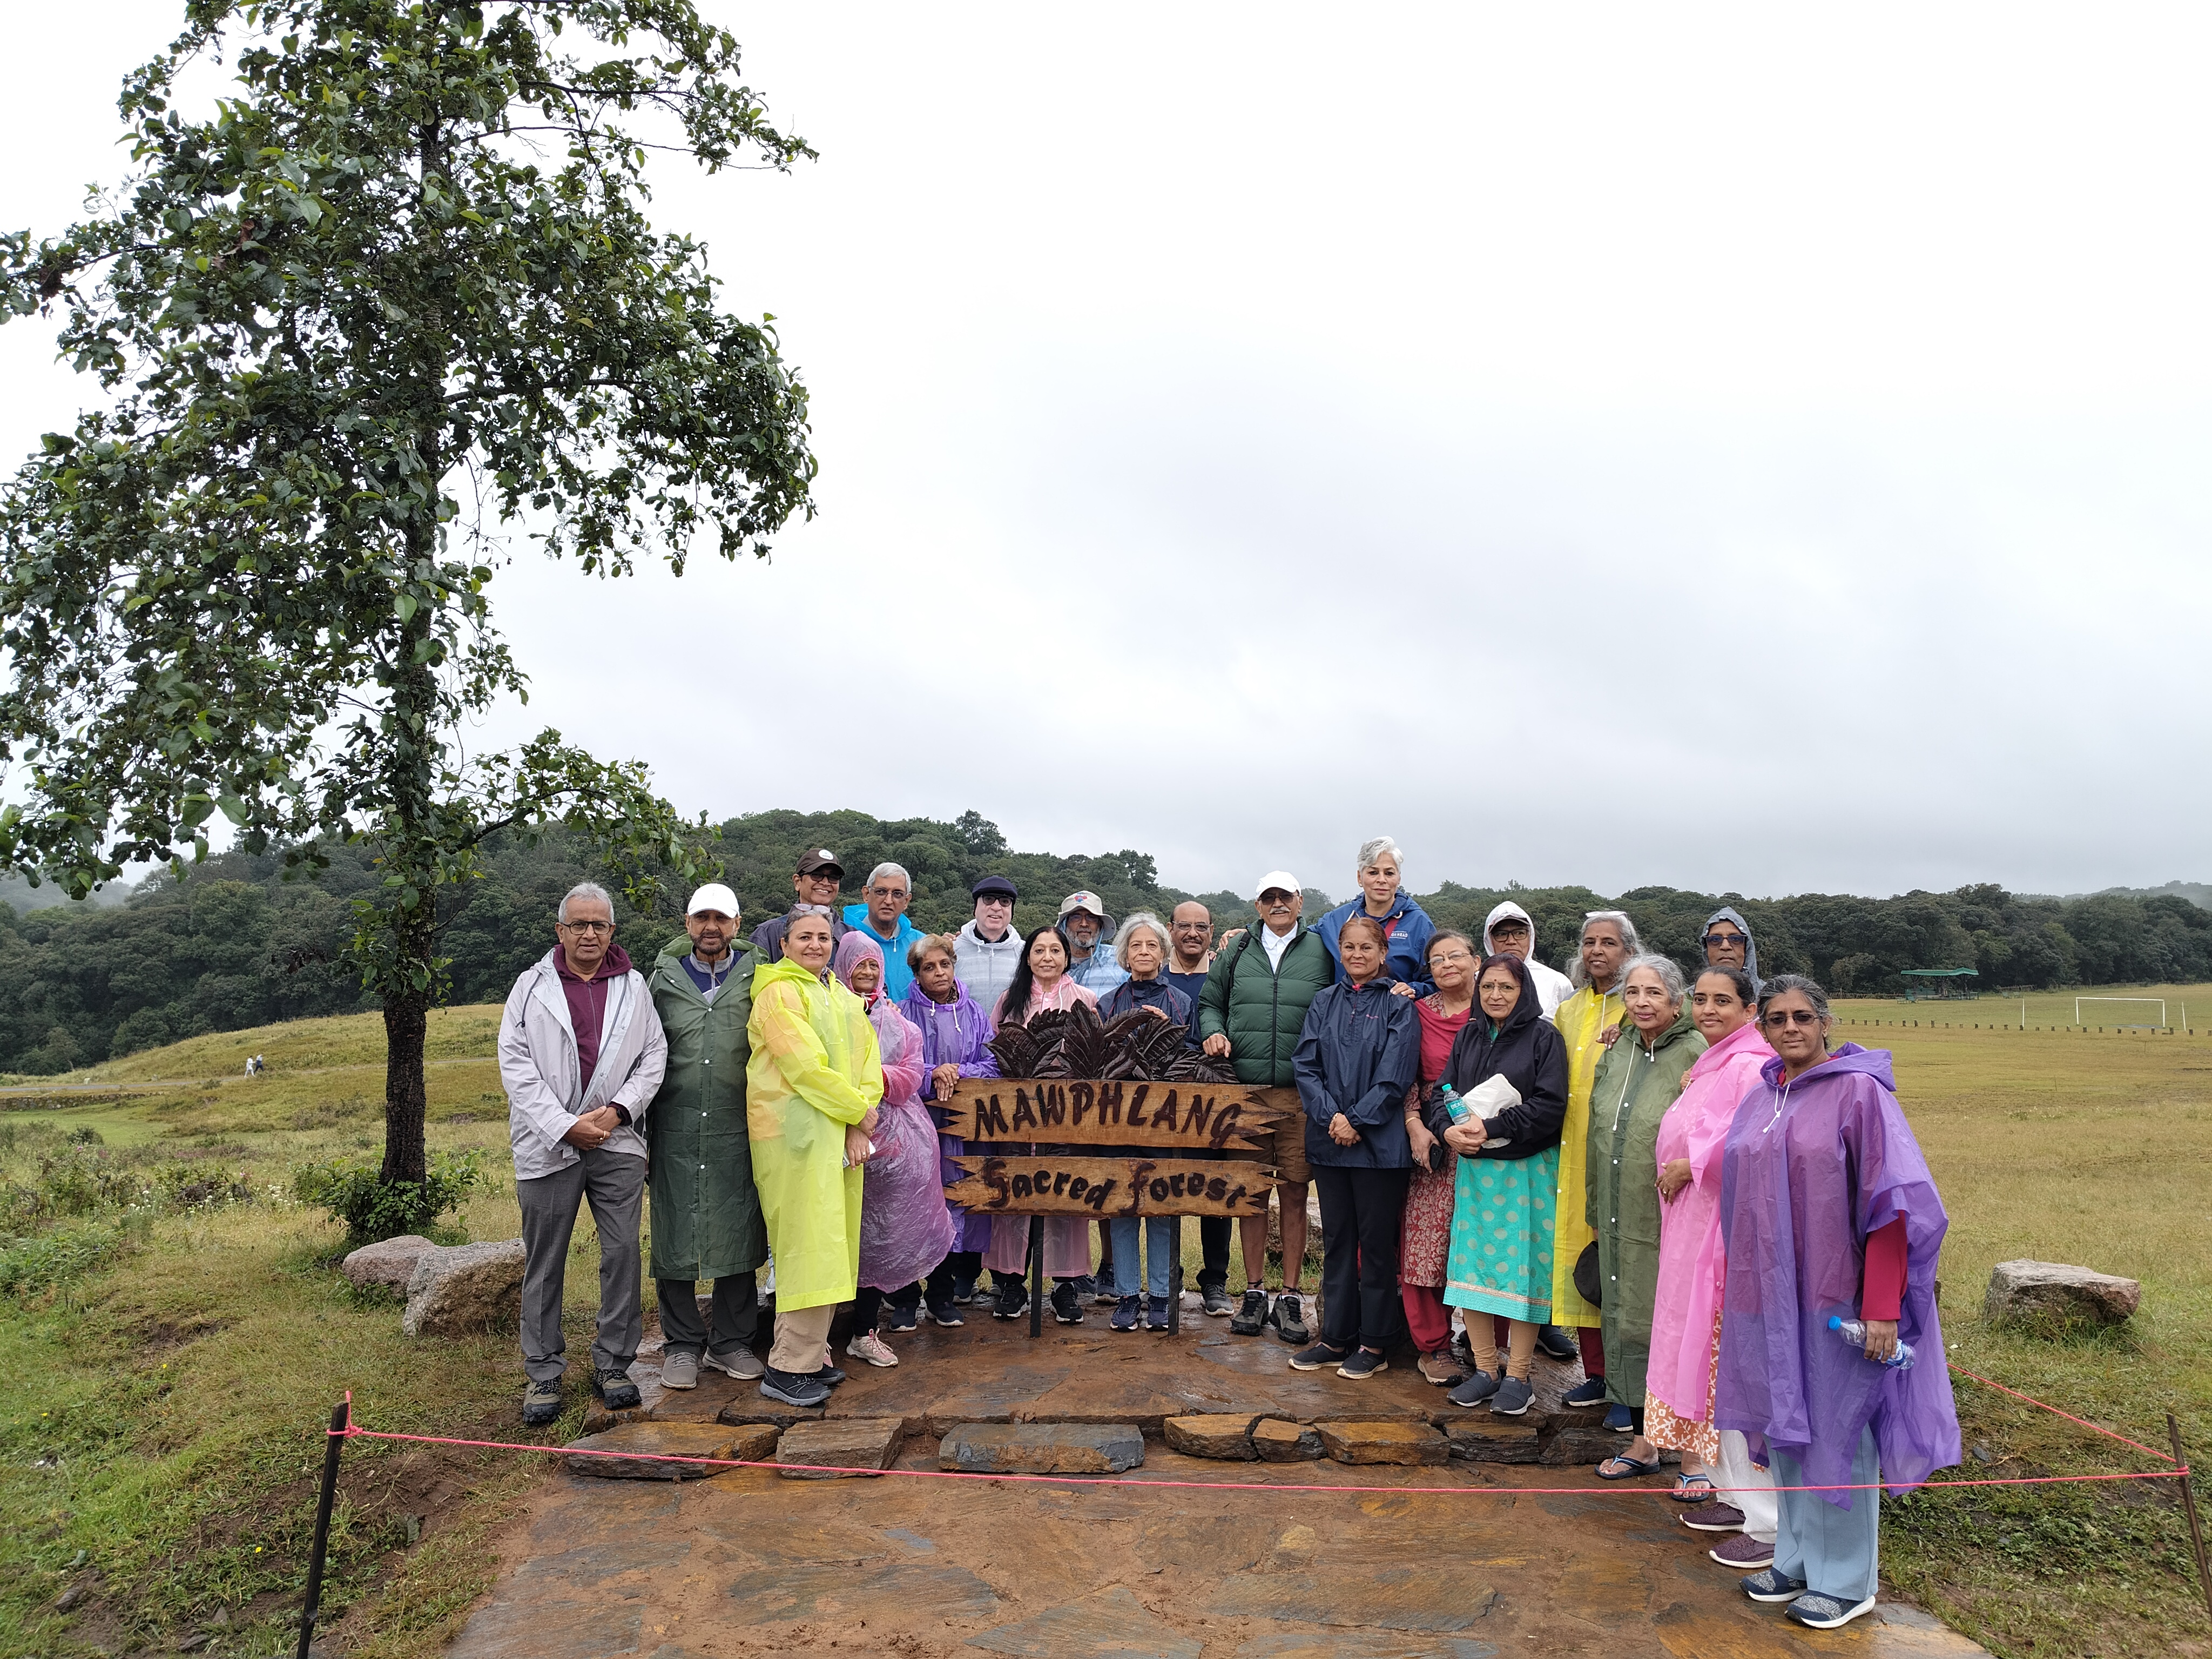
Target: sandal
1693 1489
1628 1468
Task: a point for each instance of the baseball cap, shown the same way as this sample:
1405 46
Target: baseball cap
818 859
995 886
1090 902
712 896
1282 879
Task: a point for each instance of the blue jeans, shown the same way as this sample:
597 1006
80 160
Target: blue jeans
1159 1248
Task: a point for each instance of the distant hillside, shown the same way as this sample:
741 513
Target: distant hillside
19 896
233 945
2195 891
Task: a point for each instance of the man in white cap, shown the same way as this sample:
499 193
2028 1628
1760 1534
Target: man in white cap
1252 1009
706 1218
1090 961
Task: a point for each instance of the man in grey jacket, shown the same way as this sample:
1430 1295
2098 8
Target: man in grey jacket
581 1056
987 949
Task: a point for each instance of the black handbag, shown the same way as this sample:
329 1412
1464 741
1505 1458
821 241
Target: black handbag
1586 1282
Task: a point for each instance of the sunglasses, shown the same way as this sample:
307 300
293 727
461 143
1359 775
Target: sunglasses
1779 1017
1710 940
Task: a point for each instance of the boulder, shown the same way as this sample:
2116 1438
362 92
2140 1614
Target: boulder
1042 1448
838 1445
1484 1439
2051 1292
463 1288
1384 1443
389 1261
647 1443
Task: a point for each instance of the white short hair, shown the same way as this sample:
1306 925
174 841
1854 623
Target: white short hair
584 889
898 870
1143 918
1668 970
1370 854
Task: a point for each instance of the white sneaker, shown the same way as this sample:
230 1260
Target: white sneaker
873 1348
741 1362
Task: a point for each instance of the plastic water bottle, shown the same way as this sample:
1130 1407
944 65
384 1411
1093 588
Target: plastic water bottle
1854 1332
1454 1108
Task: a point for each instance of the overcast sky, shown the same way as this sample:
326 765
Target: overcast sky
1759 449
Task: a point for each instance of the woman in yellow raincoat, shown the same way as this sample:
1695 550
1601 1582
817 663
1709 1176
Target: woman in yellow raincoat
812 1083
1584 1019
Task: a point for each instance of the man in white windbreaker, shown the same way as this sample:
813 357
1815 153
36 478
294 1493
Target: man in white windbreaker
1510 933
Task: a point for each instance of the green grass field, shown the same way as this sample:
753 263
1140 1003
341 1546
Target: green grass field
173 1359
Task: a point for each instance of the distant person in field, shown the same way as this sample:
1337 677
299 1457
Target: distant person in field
706 1216
1405 924
581 1056
1509 931
989 948
816 882
881 914
1191 927
1728 943
1828 1211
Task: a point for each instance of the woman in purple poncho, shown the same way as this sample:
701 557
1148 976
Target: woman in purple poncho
955 1036
1828 1208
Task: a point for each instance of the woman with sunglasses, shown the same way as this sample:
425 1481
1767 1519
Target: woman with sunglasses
1827 1210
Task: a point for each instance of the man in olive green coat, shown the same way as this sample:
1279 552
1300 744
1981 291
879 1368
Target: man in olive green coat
707 1220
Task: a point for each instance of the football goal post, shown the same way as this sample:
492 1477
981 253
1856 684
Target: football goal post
2158 1003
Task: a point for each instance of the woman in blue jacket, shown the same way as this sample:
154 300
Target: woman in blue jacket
1358 1054
1406 926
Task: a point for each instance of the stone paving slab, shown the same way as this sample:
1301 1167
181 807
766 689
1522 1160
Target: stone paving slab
1041 1449
650 1443
865 1442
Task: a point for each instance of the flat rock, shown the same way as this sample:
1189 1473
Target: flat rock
647 1443
1222 1435
861 1444
1569 1446
1111 1621
461 1288
2053 1292
1279 1441
1042 1448
1387 1441
598 1419
1482 1438
389 1261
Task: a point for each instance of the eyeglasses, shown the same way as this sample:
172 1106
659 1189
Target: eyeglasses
587 927
1711 939
1455 954
1779 1017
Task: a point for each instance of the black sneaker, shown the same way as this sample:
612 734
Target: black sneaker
963 1292
1128 1316
1013 1300
829 1376
1251 1316
1512 1399
1555 1344
1067 1302
1361 1364
1156 1313
1289 1318
1318 1357
900 1319
1590 1391
793 1390
945 1313
1476 1388
1215 1300
615 1389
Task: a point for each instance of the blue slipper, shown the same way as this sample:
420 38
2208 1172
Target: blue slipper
1629 1468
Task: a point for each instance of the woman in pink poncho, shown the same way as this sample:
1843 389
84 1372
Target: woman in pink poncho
905 1229
1686 1318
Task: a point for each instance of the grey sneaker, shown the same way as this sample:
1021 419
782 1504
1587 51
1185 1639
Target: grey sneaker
1252 1316
1475 1387
615 1389
1773 1586
741 1362
679 1369
1215 1300
1715 1516
1290 1319
1817 1612
1511 1399
541 1404
1743 1552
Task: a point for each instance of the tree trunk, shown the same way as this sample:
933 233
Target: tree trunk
406 1019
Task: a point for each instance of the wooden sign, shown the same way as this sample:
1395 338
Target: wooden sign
1043 1183
1164 1117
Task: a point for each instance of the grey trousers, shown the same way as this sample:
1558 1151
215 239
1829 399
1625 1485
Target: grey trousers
737 1314
614 1184
1831 1552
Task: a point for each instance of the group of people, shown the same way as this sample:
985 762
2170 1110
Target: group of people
1677 1183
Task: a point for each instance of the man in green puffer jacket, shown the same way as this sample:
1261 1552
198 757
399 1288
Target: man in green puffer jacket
707 1221
1252 1008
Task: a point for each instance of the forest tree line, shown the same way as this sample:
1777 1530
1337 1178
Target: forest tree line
233 944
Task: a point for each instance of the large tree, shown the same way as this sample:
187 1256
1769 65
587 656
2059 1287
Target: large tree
393 297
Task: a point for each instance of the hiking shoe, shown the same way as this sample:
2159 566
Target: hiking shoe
741 1362
1361 1364
541 1404
679 1369
1067 1302
1126 1314
1251 1315
1214 1298
1743 1552
1290 1319
1475 1388
615 1389
963 1292
829 1376
869 1347
1620 1420
793 1390
1156 1313
1715 1516
1013 1300
945 1313
1590 1391
1318 1357
1555 1344
1440 1368
1511 1399
1772 1587
1817 1612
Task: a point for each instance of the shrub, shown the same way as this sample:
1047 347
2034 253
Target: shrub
48 1261
372 1208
